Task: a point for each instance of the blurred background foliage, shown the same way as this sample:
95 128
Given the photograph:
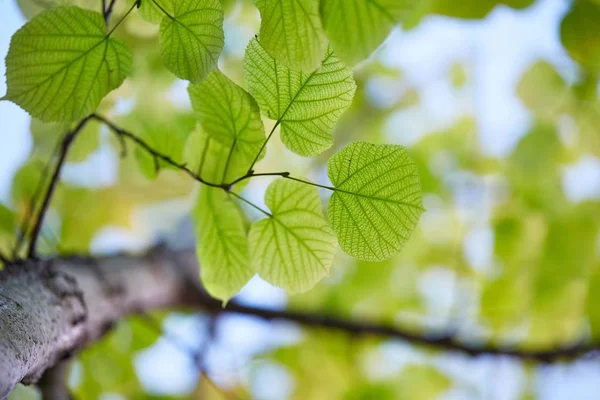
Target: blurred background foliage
508 251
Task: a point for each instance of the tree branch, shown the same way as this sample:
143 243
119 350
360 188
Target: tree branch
53 384
51 309
62 157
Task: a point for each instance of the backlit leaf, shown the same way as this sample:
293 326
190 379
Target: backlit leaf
61 64
222 244
230 116
191 37
207 158
377 199
291 32
294 247
578 33
363 27
305 105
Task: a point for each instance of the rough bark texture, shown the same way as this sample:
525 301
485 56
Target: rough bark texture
49 309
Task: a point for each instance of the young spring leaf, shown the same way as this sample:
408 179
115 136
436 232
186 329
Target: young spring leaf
169 140
191 36
222 244
208 158
61 64
377 199
364 27
294 247
306 105
291 32
150 12
8 230
230 116
578 34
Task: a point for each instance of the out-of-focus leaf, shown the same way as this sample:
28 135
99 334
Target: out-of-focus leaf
578 33
470 9
421 382
47 137
544 91
356 28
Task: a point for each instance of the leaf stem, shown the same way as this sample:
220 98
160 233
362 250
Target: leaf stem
163 10
251 169
251 174
311 183
250 203
124 16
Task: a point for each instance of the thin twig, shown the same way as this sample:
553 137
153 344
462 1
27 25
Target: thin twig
64 149
108 11
181 166
443 341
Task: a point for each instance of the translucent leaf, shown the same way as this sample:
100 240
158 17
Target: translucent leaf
230 116
8 230
294 247
222 244
377 199
578 33
472 9
61 64
207 158
291 32
169 142
150 12
364 26
544 91
306 105
30 8
47 136
191 37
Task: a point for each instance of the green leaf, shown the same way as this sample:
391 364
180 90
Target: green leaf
47 136
579 34
294 247
544 91
471 9
207 158
170 142
231 117
191 37
150 12
222 244
8 230
291 32
363 27
61 64
377 199
306 105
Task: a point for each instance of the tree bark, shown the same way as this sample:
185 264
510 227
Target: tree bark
50 309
